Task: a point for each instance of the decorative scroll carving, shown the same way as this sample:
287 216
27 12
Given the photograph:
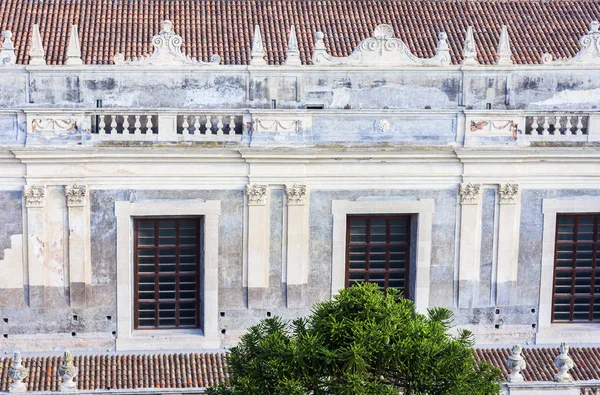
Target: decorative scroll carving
469 193
589 54
18 373
275 125
7 53
382 50
469 50
76 195
68 372
495 128
296 194
257 194
34 195
53 124
167 52
504 51
515 364
382 125
508 193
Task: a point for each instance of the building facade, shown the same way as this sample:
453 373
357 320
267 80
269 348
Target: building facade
165 201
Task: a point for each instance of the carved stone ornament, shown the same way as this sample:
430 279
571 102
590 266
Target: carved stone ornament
508 193
276 125
18 373
296 194
383 125
563 363
76 195
382 50
504 51
589 54
7 53
53 124
515 364
167 52
34 195
36 52
257 194
257 56
469 193
469 52
68 372
292 54
74 48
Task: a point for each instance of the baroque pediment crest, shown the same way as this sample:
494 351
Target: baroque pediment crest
383 49
167 52
589 54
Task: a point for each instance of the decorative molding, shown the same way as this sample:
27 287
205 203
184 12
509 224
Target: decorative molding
36 52
296 194
257 194
18 373
74 49
76 195
469 52
382 125
589 54
504 51
508 193
167 52
515 364
258 49
53 124
68 372
276 125
292 54
381 50
7 53
34 195
470 193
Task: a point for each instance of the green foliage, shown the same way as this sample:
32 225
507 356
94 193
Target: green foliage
361 342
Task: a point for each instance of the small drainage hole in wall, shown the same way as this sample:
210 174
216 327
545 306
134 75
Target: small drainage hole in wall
5 320
108 318
268 313
5 335
222 314
533 326
223 331
533 311
114 333
497 311
73 334
497 326
75 317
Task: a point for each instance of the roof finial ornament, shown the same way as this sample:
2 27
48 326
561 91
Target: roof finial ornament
515 364
18 373
589 53
7 54
563 363
36 52
469 50
74 49
504 52
258 49
68 372
292 55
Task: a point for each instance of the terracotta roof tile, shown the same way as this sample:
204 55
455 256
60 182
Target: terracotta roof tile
225 27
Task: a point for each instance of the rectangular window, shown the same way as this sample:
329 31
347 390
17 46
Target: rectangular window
576 296
167 272
378 250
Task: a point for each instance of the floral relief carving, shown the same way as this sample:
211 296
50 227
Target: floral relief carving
508 193
34 195
469 193
52 124
257 194
382 125
76 195
296 194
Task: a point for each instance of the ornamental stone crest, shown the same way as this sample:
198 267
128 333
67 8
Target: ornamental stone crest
469 193
18 373
7 51
34 195
383 49
563 363
68 372
589 54
257 194
508 193
76 195
167 52
515 364
296 194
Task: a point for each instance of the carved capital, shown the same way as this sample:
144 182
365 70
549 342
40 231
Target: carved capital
508 193
34 195
76 195
296 194
257 194
470 193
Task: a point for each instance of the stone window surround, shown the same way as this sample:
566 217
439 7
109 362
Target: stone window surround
547 331
180 339
423 208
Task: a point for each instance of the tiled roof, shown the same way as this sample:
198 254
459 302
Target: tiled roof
225 27
204 370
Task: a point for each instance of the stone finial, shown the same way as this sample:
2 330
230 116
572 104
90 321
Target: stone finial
7 53
515 364
589 52
257 194
36 52
508 193
18 373
296 194
504 52
76 195
469 193
319 51
258 49
469 52
68 372
292 54
563 363
34 195
74 49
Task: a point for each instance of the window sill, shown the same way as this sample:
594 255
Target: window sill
569 333
168 339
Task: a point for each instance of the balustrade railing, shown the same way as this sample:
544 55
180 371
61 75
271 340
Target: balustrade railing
126 126
193 126
557 125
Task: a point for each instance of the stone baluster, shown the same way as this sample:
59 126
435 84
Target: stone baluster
68 372
579 127
219 125
569 126
18 373
185 125
515 364
546 126
563 363
113 124
149 125
137 125
208 125
534 126
125 125
197 125
232 125
102 125
557 125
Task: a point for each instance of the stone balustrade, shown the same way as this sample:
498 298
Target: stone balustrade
558 126
130 127
208 127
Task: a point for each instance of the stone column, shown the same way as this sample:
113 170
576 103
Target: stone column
297 244
508 242
35 197
470 245
79 243
258 243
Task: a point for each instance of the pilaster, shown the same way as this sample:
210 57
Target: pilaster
508 242
297 244
470 244
258 243
35 199
79 243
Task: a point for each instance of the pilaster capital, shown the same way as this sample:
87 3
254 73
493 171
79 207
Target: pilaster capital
469 193
508 193
34 195
76 195
257 194
296 194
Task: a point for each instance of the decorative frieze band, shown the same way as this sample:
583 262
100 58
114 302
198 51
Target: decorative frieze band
470 193
296 194
257 194
76 195
508 193
34 195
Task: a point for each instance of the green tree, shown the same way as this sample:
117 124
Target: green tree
360 342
